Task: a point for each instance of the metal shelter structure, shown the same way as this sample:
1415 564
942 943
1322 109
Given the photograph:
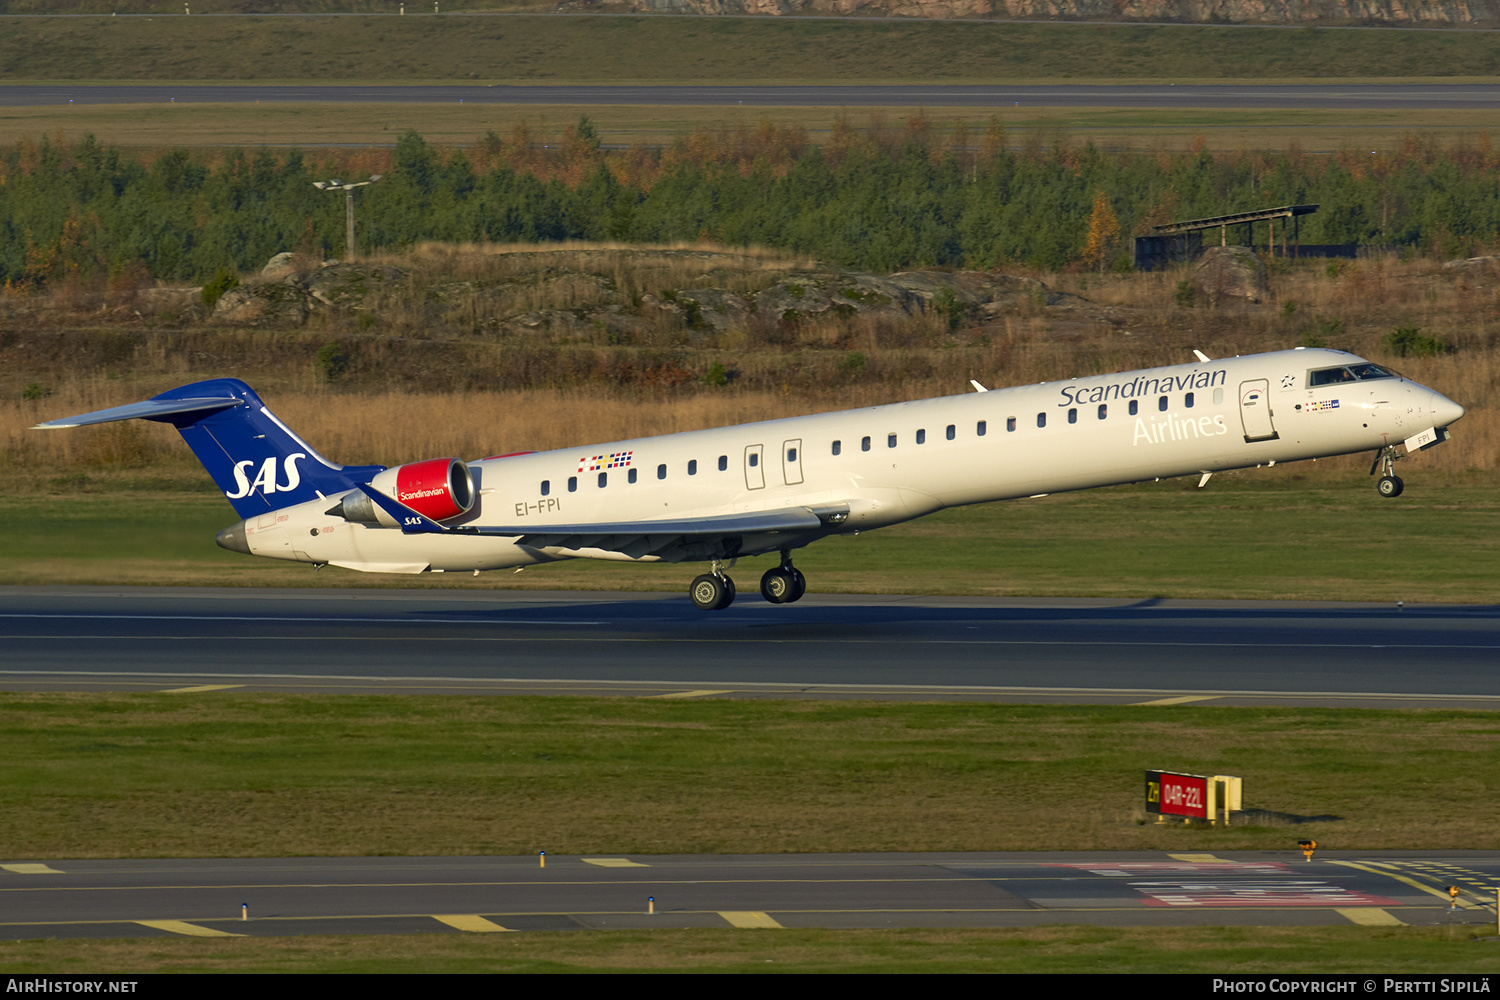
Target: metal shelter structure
1181 241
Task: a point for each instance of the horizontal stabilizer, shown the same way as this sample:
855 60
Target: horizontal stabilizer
151 409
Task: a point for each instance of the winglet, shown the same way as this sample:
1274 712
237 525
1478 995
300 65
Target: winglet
1200 355
977 386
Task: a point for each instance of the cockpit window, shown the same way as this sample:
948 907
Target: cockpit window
1362 372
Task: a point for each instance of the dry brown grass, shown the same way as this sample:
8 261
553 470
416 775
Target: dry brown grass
464 386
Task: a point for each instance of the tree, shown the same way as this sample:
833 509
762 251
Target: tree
1104 234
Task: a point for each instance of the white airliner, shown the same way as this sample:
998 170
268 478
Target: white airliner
775 486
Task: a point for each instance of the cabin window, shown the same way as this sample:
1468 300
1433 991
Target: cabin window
952 430
838 446
546 486
1073 415
754 459
890 440
603 479
1188 400
921 437
661 472
1041 420
630 475
1135 407
1010 423
724 462
1103 411
791 454
980 428
572 484
692 466
1161 404
864 444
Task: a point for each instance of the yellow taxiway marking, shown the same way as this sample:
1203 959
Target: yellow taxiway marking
1402 879
202 687
30 870
613 862
1368 916
470 922
690 694
1181 699
1200 858
183 927
748 918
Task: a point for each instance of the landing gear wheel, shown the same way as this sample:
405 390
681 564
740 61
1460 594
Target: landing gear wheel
712 593
1390 486
799 586
728 597
778 586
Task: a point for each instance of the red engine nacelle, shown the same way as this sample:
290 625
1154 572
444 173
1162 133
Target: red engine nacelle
438 488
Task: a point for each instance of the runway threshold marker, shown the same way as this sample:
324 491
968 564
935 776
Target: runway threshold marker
183 927
471 922
1181 699
1368 916
748 918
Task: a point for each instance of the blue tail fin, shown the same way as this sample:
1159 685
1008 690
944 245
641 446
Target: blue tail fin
258 461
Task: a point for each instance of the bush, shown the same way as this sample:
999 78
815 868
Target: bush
223 280
331 361
1411 342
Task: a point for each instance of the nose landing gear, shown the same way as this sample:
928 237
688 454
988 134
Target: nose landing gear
1389 484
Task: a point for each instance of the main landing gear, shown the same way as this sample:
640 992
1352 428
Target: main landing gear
713 591
783 584
1389 484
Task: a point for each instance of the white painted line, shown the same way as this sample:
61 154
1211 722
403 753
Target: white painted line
613 862
201 687
30 869
1181 699
689 694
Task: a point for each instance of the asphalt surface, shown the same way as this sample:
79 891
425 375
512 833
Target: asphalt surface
291 896
1340 96
826 646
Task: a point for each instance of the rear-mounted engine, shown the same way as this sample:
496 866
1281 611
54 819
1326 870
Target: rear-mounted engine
439 488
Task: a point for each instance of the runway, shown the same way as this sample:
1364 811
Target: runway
827 646
1341 96
266 897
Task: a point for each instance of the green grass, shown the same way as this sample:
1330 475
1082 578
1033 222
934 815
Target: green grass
699 49
1216 951
1311 534
271 775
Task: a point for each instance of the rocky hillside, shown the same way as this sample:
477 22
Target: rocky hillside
1405 12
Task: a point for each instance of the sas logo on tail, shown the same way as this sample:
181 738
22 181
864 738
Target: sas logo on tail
265 479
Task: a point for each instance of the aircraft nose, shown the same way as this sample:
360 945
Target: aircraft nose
1444 410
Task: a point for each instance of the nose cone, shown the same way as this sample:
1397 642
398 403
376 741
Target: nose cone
233 538
1444 410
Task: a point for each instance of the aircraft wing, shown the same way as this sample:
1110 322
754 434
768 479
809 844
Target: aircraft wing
634 538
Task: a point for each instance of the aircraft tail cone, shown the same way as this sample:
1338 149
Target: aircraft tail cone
233 539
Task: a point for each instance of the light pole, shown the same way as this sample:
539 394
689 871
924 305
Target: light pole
334 184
